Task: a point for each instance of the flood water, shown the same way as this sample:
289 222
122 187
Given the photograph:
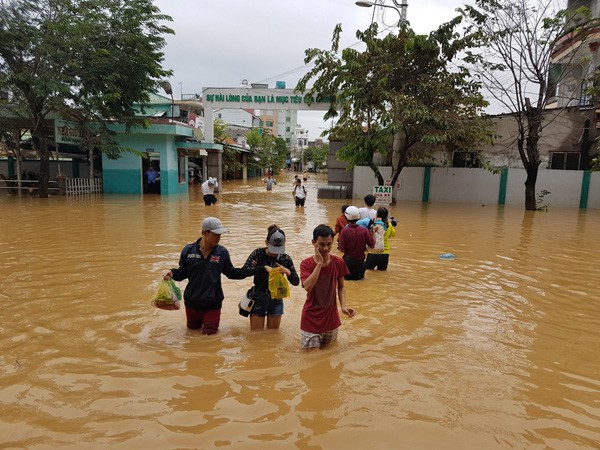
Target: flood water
498 348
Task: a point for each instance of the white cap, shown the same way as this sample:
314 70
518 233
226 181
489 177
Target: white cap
213 224
352 213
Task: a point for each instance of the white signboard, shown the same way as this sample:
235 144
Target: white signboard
66 132
383 195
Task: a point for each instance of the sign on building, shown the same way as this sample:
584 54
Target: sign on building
66 132
383 195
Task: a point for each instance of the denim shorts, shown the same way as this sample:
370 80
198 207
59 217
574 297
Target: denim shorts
273 308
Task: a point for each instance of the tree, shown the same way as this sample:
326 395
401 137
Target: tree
397 95
87 61
230 163
516 40
316 155
269 152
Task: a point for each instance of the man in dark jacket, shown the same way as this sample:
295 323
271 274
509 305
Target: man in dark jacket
202 263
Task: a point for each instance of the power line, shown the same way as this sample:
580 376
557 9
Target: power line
306 66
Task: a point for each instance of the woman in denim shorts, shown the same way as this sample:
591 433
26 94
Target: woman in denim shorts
260 262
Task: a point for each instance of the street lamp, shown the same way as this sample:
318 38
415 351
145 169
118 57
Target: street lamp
399 7
169 91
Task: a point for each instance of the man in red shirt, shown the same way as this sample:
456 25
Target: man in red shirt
340 222
353 242
322 277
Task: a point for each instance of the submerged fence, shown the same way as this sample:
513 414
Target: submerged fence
26 186
68 186
333 191
83 186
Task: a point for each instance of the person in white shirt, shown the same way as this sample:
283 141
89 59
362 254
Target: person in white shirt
299 194
368 210
208 189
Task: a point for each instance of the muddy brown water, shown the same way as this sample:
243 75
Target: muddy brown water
498 348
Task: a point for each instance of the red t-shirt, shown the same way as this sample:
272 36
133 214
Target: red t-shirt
320 312
354 240
340 223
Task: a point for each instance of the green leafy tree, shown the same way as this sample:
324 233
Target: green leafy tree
269 152
516 40
398 96
316 155
230 163
88 61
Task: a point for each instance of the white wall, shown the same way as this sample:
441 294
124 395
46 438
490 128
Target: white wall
594 195
480 186
411 184
457 184
364 180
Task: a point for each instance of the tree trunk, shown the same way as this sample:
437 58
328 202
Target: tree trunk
44 169
18 155
532 162
91 157
530 200
396 145
377 174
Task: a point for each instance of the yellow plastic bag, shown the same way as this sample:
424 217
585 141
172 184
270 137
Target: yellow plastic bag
167 295
278 284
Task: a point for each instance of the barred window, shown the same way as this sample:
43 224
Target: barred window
564 160
466 159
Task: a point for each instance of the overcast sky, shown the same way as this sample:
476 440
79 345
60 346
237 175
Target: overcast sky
219 43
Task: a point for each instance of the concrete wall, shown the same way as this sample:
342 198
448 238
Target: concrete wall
562 132
337 174
214 165
564 187
411 184
480 186
124 175
454 184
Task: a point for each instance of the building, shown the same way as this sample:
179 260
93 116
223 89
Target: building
575 58
173 136
299 145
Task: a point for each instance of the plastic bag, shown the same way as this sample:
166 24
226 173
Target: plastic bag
378 232
168 295
246 304
278 284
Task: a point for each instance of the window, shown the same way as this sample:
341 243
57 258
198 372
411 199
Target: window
288 140
287 128
564 160
269 123
554 75
287 119
466 159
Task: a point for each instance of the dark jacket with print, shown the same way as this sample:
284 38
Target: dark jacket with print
261 276
204 291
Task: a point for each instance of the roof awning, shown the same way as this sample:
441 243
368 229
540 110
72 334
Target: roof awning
194 152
